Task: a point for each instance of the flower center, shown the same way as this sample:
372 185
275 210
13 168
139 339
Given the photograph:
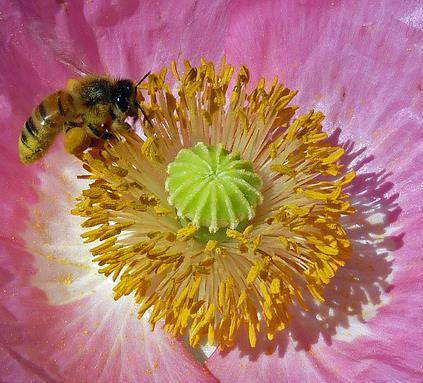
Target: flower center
213 188
174 226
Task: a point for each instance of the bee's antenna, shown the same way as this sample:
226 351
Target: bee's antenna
143 113
136 102
144 77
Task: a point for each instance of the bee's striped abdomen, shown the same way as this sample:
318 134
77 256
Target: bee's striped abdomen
43 125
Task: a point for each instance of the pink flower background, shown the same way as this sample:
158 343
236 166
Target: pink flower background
358 62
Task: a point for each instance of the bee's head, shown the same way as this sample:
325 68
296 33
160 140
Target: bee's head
123 98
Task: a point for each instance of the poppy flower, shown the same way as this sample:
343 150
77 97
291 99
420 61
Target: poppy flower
341 306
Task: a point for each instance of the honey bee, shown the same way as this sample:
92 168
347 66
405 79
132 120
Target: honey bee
88 110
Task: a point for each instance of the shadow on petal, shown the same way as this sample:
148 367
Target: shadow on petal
359 288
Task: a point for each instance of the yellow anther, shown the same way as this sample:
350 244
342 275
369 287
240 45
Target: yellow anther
186 232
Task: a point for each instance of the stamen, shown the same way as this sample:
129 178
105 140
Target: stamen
251 219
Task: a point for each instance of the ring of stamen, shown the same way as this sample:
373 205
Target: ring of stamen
294 244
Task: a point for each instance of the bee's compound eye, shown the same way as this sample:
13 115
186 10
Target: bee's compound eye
123 93
122 103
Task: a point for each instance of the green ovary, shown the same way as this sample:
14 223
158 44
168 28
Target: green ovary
213 188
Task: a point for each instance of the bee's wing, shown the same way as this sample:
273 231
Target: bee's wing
77 66
62 50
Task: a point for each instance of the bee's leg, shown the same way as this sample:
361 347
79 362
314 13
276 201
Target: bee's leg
114 128
95 131
76 139
99 133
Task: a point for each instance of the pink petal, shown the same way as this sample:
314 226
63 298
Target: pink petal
120 41
34 37
360 66
40 342
13 368
96 339
92 338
